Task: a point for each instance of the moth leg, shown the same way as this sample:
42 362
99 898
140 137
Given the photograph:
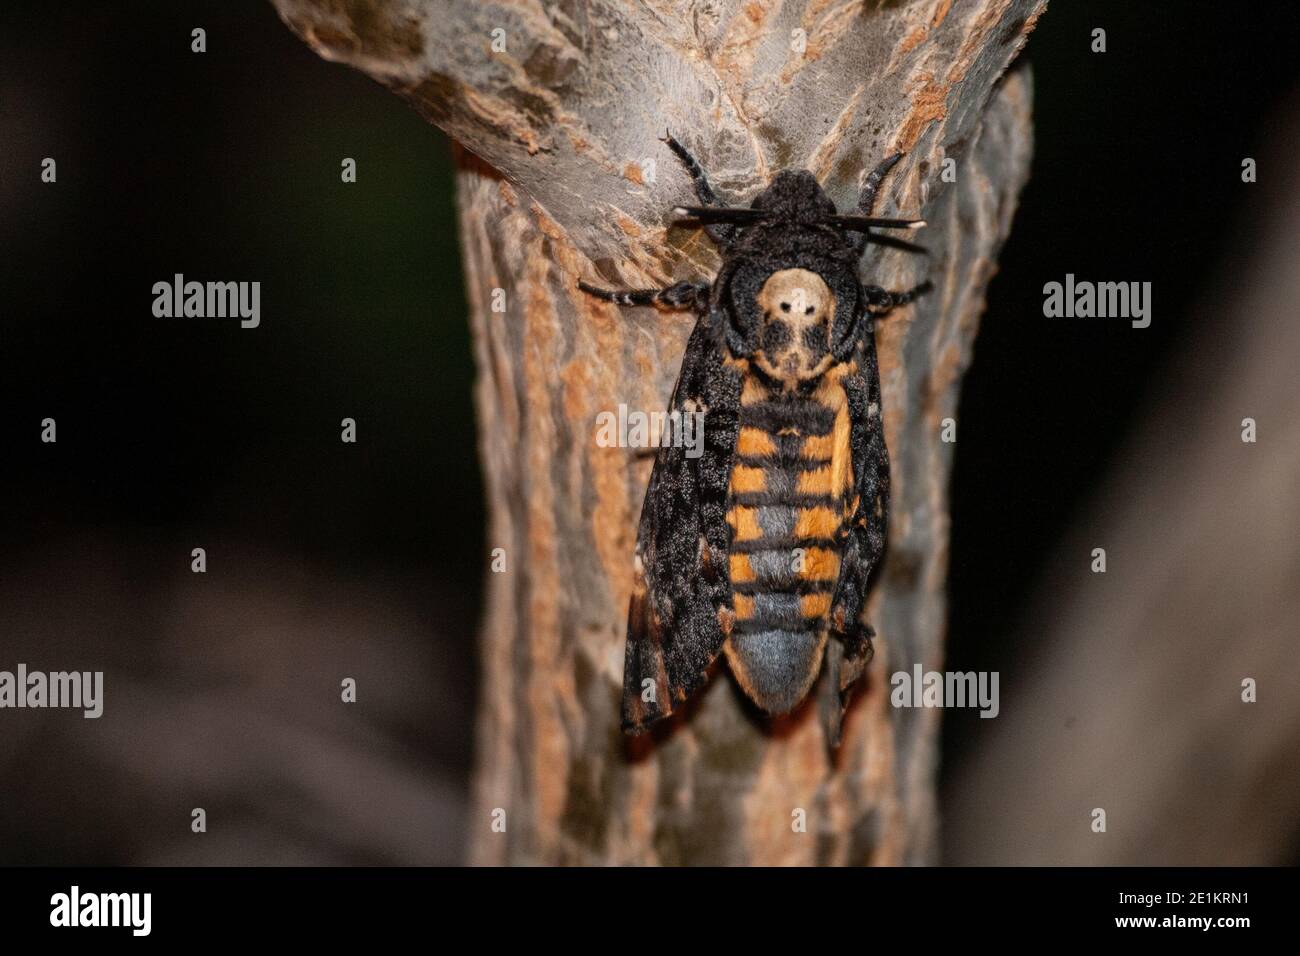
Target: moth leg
881 302
680 295
720 233
867 198
701 180
829 708
847 656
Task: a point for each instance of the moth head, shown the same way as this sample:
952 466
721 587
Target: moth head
796 314
794 195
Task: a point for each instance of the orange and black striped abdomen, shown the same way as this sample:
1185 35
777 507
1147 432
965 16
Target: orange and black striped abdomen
787 504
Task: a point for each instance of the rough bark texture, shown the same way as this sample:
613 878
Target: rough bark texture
563 176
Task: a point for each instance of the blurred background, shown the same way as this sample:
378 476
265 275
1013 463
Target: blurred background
365 560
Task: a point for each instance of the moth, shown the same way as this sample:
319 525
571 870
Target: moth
759 548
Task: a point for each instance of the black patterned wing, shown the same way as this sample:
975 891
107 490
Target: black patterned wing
850 647
682 579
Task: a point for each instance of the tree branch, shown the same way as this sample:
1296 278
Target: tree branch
568 179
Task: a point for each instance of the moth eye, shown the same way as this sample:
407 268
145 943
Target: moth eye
810 310
785 306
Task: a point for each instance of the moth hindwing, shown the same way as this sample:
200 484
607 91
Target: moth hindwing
760 545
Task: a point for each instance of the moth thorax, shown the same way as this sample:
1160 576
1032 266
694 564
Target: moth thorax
796 310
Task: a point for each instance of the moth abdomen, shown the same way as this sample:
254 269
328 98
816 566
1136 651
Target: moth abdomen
785 508
776 668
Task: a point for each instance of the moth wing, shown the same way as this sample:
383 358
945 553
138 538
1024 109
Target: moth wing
682 580
865 527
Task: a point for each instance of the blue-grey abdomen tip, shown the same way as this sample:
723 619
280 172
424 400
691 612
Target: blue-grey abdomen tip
776 668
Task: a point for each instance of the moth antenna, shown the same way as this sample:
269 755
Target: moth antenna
734 214
862 223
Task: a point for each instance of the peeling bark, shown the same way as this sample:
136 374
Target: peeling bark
562 176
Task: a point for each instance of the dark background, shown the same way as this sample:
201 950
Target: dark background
178 434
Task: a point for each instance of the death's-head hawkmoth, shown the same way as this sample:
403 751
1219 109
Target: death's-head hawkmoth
760 547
